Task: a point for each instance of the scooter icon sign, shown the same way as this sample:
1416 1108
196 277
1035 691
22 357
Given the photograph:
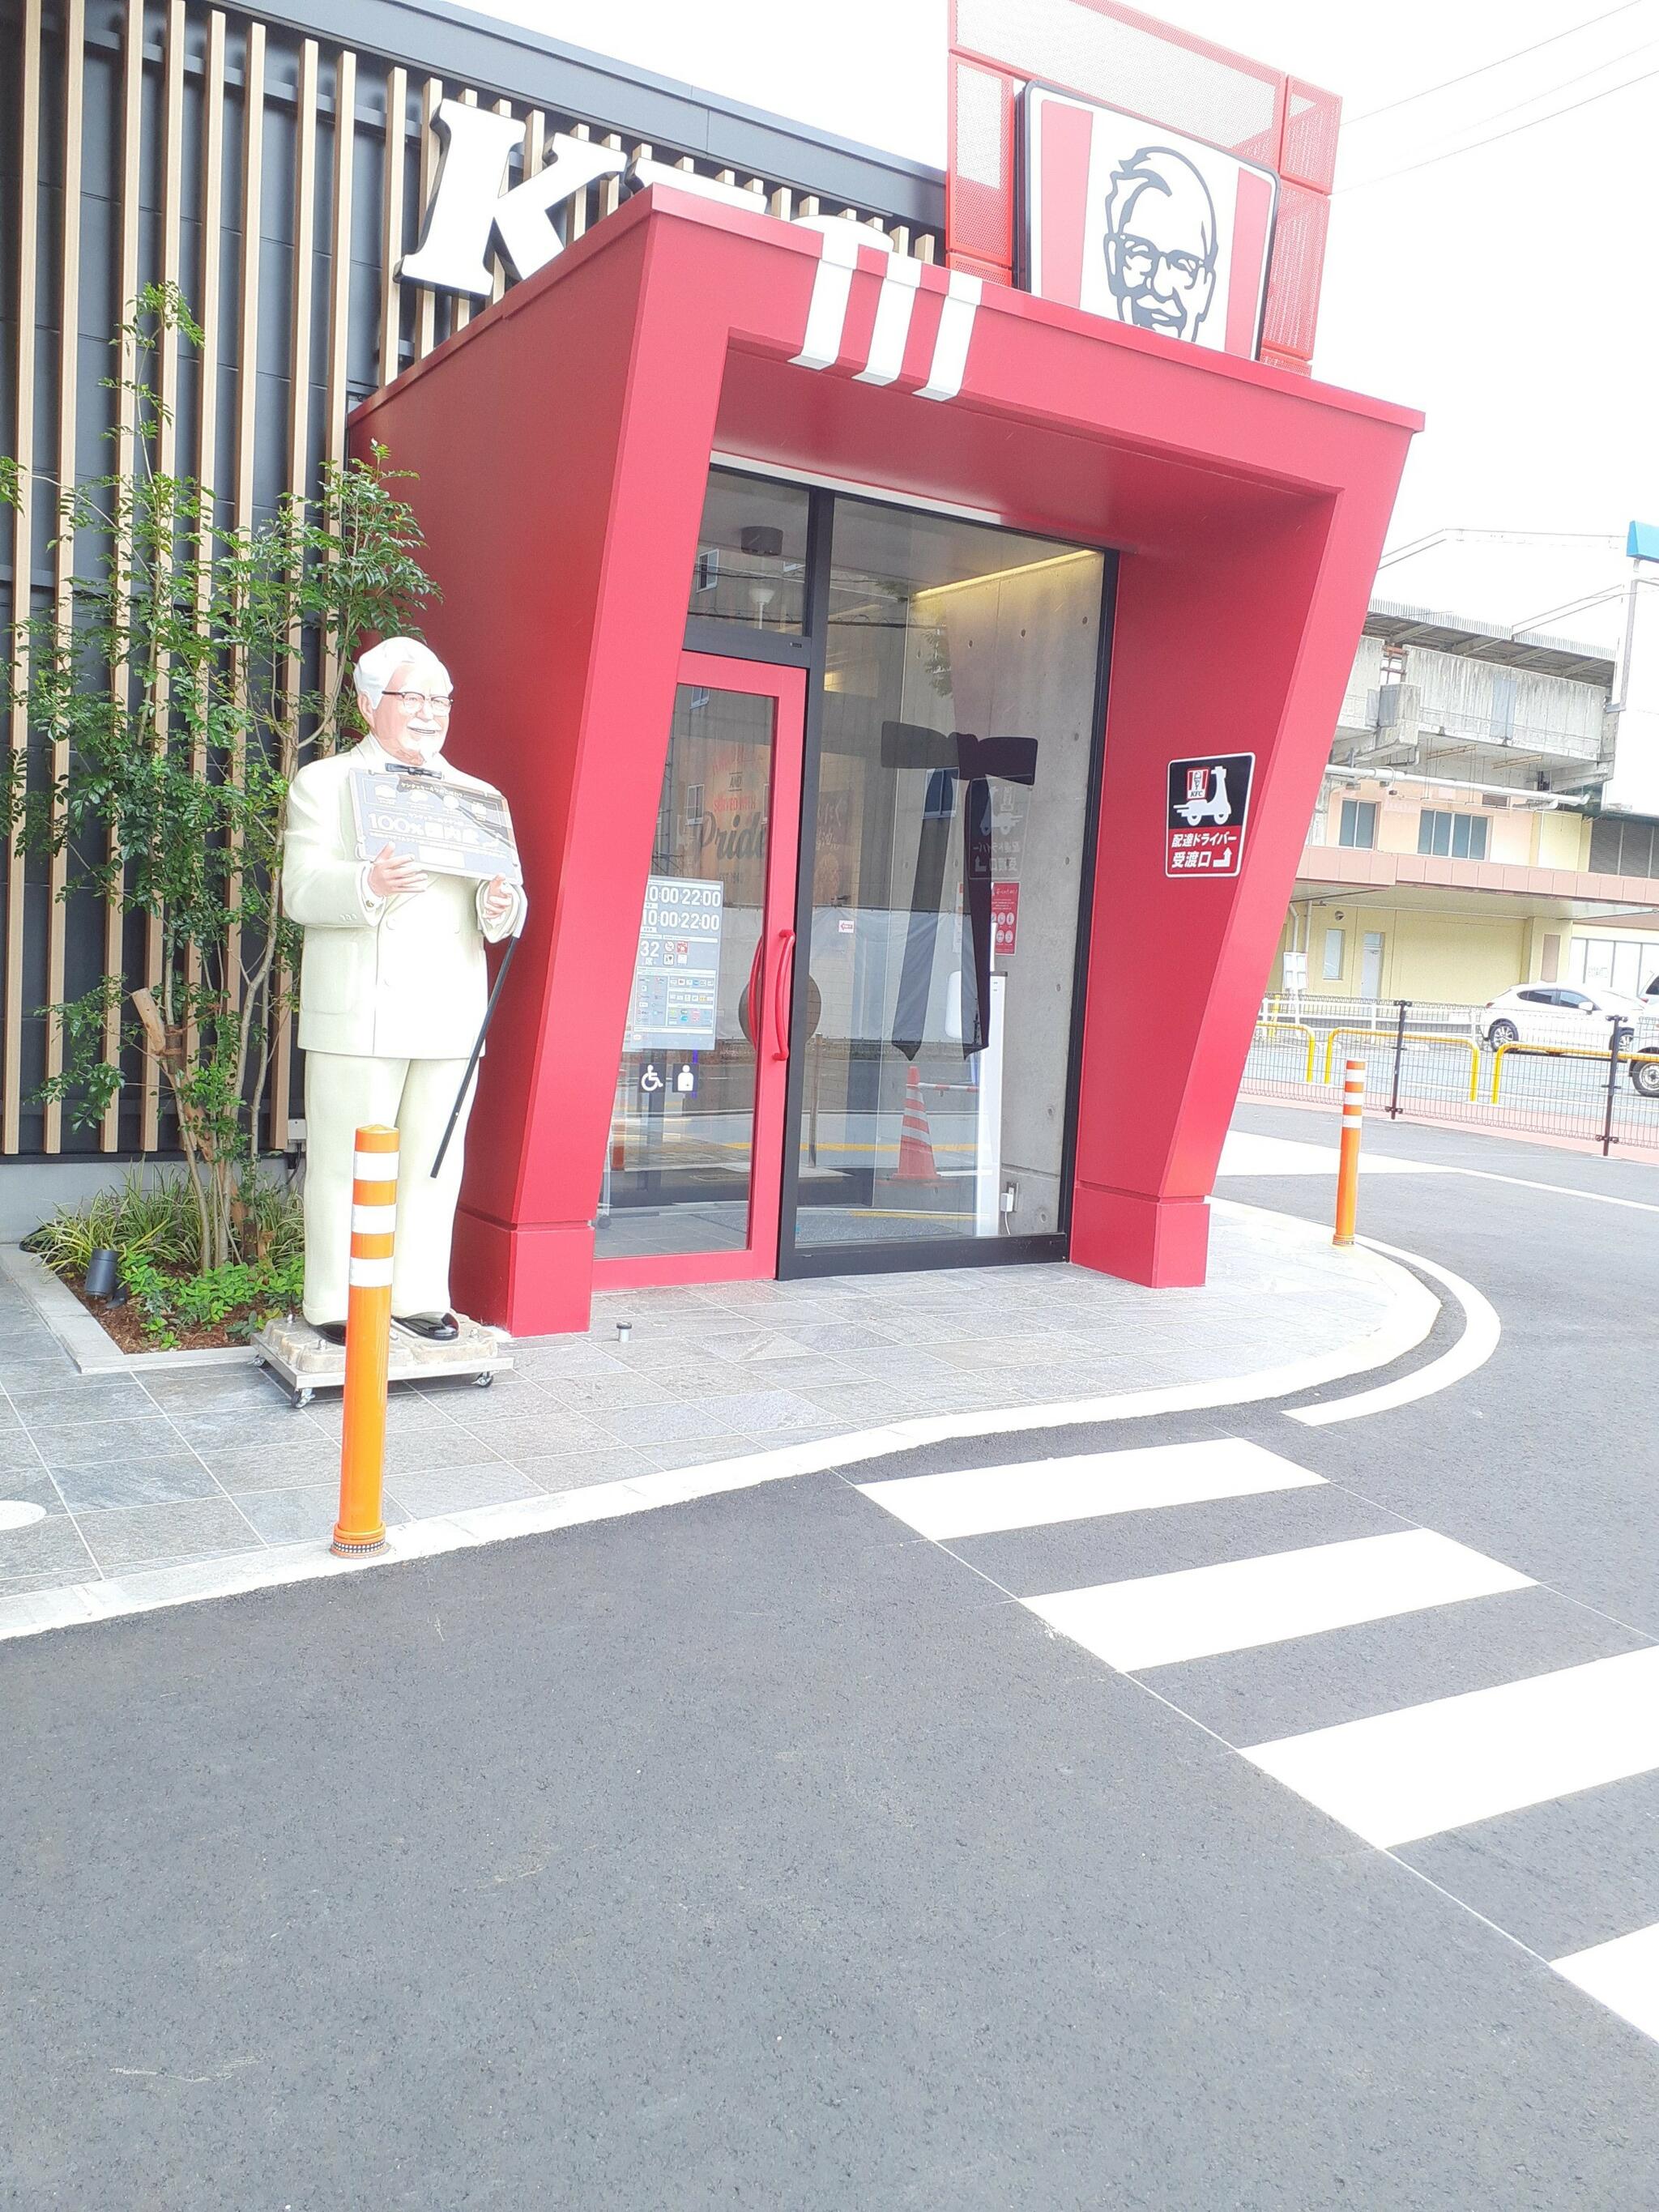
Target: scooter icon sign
1209 799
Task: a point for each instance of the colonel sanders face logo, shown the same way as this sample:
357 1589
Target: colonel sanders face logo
1160 243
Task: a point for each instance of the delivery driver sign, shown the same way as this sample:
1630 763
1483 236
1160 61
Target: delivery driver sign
1209 799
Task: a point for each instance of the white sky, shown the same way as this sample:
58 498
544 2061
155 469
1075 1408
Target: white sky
1511 292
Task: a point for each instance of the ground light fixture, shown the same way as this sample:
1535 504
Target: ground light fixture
102 1280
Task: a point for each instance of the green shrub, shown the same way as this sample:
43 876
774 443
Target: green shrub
241 1296
273 1222
160 1222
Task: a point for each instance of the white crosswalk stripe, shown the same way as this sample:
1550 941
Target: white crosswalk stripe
1405 1775
1157 1620
989 1500
1394 1778
1623 1975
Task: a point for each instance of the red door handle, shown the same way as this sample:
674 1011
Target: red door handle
780 982
752 997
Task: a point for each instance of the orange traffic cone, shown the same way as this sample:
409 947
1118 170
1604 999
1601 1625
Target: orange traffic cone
915 1159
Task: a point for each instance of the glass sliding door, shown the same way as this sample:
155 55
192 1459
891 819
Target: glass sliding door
950 811
689 1188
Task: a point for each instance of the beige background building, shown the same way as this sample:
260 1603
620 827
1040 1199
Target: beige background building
1458 846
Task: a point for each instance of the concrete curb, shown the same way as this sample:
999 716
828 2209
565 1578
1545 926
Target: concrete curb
1413 1311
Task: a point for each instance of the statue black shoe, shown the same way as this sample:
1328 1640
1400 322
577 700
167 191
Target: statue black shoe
433 1328
332 1332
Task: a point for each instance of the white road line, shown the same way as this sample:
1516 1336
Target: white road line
1481 1330
1402 1776
988 1500
1157 1620
1623 1975
1559 1189
1245 1153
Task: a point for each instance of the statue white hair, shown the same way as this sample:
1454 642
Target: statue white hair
381 663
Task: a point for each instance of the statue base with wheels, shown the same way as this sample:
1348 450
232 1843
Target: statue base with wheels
304 1363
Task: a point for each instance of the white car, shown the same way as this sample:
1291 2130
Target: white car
1560 1018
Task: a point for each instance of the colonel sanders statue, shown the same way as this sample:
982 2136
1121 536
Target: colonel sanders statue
392 994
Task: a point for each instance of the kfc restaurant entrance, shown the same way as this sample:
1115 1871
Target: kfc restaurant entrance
911 694
843 953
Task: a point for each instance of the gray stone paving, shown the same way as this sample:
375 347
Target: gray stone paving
200 1463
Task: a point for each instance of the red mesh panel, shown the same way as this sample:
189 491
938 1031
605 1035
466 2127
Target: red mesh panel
1297 265
979 206
993 272
1126 59
1312 119
1287 362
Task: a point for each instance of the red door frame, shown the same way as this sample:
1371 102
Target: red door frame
771 982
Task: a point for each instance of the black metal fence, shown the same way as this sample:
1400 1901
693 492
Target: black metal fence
1591 1078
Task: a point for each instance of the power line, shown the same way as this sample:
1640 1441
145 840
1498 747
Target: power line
1499 61
1474 145
1563 84
1463 534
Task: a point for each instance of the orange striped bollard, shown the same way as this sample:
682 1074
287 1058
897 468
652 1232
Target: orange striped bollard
1348 1167
360 1528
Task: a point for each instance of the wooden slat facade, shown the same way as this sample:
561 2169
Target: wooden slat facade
22 446
164 139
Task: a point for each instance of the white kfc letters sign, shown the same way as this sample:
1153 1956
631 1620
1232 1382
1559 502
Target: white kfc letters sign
468 203
469 206
470 211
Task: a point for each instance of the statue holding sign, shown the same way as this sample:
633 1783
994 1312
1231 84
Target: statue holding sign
399 868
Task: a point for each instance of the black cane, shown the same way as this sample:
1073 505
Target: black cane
479 1046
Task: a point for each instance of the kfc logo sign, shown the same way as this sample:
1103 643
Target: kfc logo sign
469 209
472 212
1209 801
1145 225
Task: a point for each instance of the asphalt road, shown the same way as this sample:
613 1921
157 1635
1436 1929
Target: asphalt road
765 1853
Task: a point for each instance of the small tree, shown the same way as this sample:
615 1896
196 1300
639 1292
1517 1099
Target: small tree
195 669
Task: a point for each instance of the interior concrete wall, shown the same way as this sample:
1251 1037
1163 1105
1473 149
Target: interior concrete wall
1023 654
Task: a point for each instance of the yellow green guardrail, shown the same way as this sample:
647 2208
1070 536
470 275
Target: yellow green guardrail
1562 1052
1302 1029
1412 1036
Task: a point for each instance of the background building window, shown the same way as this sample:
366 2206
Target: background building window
1612 964
1623 849
1454 836
1332 970
1358 823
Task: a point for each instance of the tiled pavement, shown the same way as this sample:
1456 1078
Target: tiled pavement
200 1463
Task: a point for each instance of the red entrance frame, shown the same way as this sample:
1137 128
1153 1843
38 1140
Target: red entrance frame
770 981
562 442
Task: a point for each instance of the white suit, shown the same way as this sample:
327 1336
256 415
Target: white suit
392 994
